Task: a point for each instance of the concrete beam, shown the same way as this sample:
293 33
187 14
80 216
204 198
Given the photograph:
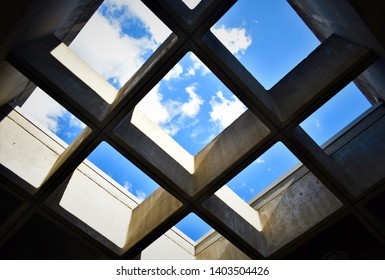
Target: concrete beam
233 147
14 86
304 204
361 159
226 213
357 23
151 219
171 173
37 62
222 249
318 77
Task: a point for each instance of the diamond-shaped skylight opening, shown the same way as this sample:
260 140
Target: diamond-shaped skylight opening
121 170
267 37
191 104
191 3
263 172
336 114
119 38
193 226
40 107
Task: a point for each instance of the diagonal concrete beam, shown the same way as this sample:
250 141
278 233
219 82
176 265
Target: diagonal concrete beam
236 221
150 219
159 155
37 63
318 77
229 152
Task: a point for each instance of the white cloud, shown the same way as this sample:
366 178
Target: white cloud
174 73
75 122
151 105
197 65
259 160
235 39
44 109
136 8
128 186
192 107
171 115
317 124
110 53
141 195
225 111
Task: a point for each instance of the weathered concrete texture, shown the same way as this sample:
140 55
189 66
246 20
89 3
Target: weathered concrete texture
333 62
25 150
357 22
97 206
293 212
362 159
170 246
235 143
150 215
222 249
234 227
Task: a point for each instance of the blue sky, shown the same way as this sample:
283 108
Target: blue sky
190 103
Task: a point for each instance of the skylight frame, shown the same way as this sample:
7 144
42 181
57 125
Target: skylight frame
254 153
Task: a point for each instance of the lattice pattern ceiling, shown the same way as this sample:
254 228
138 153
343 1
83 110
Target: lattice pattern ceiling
194 184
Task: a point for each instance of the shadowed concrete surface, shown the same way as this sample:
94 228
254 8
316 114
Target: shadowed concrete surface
55 204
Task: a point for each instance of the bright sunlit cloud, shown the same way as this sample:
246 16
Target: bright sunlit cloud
197 66
236 39
44 109
224 110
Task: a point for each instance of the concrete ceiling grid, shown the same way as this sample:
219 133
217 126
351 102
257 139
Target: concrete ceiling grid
271 117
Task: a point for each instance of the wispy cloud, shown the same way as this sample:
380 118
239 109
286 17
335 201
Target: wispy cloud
44 109
171 115
235 39
225 110
105 45
174 73
50 114
113 55
259 160
75 122
140 194
128 186
152 106
196 66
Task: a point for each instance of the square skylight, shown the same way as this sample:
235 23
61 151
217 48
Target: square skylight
120 169
337 113
191 104
118 39
269 39
268 168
